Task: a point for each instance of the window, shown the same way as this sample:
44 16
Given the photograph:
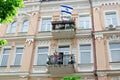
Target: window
111 18
25 26
12 28
85 54
84 22
64 49
5 57
46 24
64 52
115 52
18 56
42 55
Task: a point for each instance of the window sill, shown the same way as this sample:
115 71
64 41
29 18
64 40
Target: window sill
15 65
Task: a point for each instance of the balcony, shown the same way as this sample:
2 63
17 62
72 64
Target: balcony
63 29
64 64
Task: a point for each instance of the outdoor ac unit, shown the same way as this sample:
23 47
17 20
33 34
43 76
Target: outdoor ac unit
111 27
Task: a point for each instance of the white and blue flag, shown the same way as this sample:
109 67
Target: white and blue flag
66 9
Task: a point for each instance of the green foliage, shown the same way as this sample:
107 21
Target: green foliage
9 9
3 42
71 78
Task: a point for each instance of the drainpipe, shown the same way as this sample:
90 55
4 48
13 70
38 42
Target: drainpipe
93 40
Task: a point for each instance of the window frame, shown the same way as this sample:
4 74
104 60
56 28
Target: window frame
40 23
13 63
1 55
36 55
10 27
111 11
79 53
111 50
90 23
22 27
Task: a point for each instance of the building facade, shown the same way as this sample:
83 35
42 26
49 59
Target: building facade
35 36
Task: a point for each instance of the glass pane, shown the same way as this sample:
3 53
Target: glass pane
6 51
25 26
4 60
85 57
19 50
13 27
43 50
115 54
85 47
42 59
115 45
64 49
18 59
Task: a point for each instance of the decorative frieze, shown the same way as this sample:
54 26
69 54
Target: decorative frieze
85 40
44 43
64 42
114 38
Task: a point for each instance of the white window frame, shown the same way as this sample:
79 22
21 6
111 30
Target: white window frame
10 26
22 30
79 60
1 55
40 23
69 52
13 63
112 49
85 14
36 55
111 11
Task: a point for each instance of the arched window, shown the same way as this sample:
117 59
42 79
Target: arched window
12 28
25 26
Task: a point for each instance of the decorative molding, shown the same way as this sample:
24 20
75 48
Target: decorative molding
114 38
29 41
99 37
85 40
53 43
64 41
44 43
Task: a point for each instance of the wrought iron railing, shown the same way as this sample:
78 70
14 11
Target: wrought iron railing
61 59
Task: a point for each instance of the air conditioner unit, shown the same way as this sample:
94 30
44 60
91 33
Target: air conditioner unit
111 27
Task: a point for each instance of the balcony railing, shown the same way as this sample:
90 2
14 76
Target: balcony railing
62 64
61 59
66 28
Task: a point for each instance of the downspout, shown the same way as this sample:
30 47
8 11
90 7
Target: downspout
93 41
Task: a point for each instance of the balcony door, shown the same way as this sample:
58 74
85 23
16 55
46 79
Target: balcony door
64 54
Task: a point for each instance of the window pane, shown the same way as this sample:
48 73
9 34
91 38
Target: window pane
18 59
13 27
85 47
115 54
25 26
6 51
42 50
114 46
19 50
4 60
85 57
42 59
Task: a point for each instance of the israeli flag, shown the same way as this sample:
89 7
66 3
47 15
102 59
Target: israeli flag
66 9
